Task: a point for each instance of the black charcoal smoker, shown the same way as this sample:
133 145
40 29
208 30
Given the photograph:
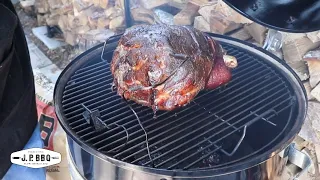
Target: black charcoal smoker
243 131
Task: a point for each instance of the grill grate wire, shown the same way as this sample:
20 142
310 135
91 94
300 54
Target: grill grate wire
256 93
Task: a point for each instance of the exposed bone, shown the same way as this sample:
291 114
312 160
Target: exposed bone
230 61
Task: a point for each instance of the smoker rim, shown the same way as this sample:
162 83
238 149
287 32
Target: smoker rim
291 76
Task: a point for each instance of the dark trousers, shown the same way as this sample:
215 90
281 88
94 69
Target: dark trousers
18 115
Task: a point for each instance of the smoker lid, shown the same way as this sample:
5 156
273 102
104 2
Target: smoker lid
284 15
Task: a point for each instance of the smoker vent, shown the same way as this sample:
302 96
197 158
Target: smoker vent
210 132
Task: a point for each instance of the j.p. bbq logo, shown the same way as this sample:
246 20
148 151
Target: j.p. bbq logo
36 158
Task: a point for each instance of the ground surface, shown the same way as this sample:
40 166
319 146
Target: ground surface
60 56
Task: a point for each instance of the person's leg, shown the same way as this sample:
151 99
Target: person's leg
17 172
18 117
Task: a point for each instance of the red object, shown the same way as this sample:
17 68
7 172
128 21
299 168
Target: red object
48 123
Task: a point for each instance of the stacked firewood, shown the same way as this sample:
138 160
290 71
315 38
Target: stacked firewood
217 17
97 19
300 50
91 21
206 15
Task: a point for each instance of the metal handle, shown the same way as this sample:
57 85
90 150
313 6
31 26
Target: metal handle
273 42
298 158
106 43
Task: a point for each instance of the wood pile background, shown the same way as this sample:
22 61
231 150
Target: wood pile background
92 20
88 22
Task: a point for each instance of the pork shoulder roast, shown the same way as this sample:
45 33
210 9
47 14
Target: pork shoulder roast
165 67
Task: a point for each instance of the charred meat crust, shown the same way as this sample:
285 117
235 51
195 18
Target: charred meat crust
163 67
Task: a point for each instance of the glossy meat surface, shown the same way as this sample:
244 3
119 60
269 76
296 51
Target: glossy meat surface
165 67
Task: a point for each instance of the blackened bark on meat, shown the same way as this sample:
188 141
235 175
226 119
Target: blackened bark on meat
165 67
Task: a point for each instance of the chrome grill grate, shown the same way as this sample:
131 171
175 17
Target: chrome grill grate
209 132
